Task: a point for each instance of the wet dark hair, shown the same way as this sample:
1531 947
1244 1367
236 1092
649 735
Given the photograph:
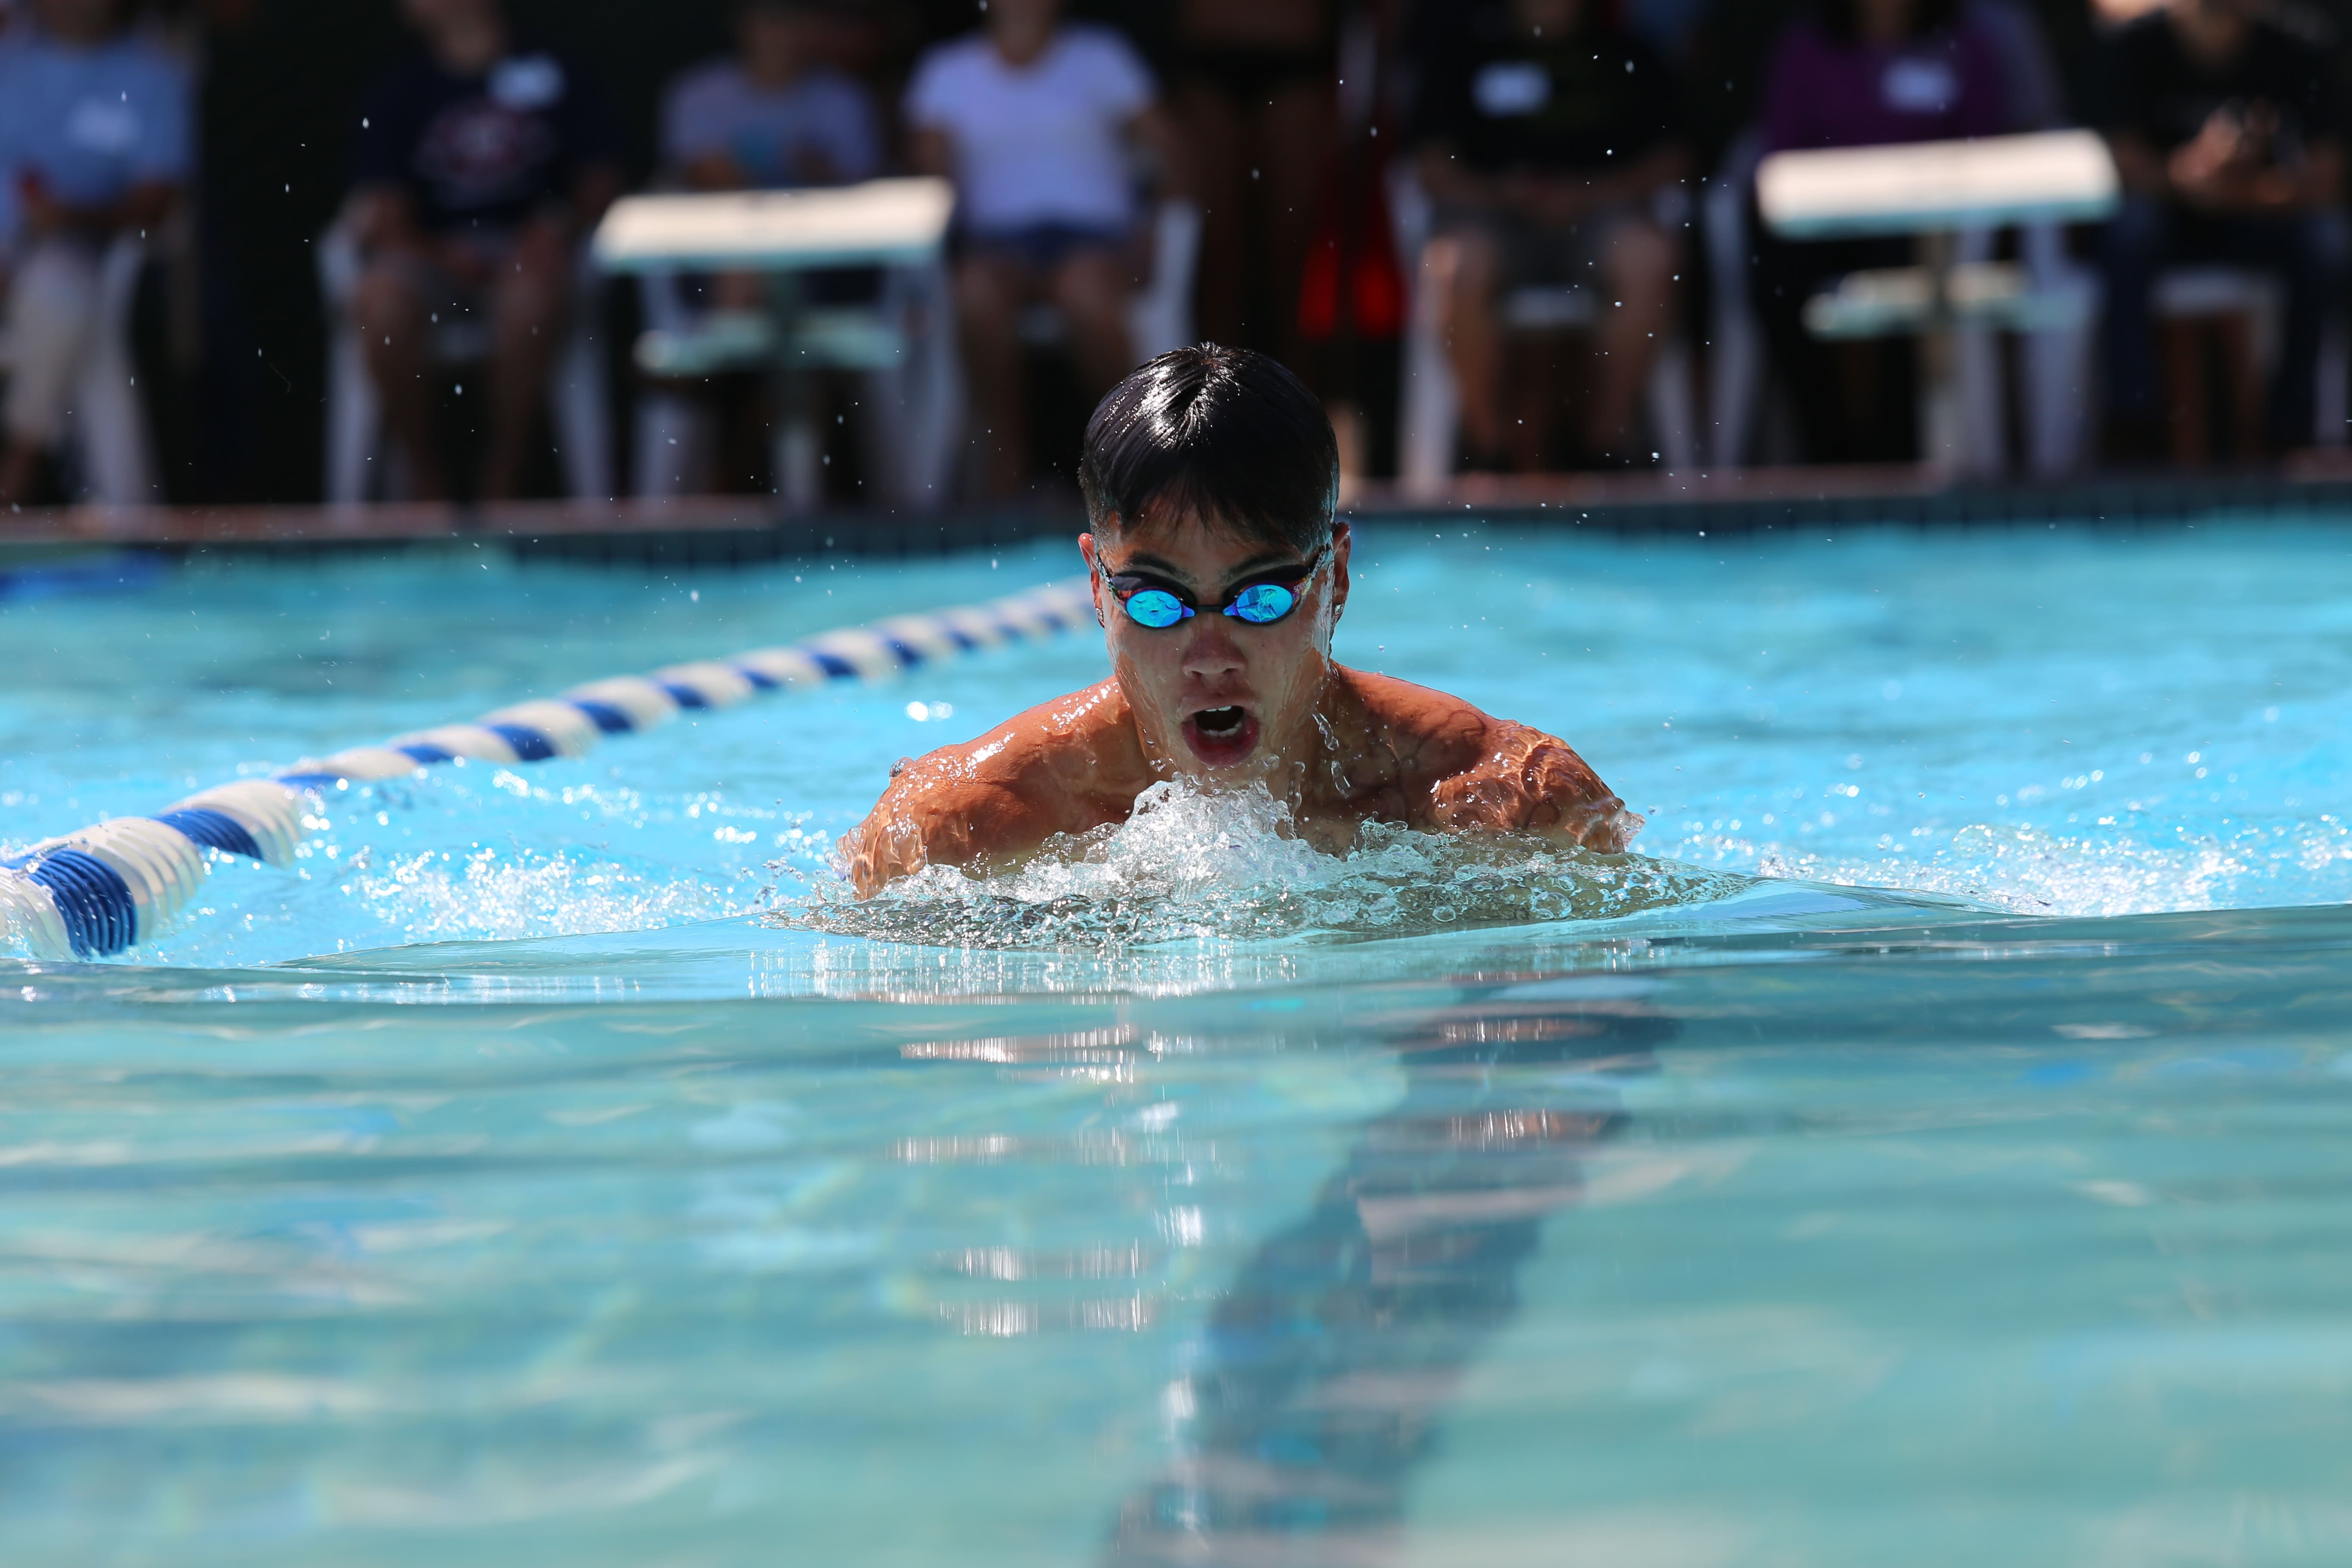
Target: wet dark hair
1228 435
1840 18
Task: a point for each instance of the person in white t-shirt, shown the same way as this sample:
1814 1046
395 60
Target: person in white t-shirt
1033 120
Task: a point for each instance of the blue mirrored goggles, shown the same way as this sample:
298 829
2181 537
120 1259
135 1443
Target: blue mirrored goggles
1261 600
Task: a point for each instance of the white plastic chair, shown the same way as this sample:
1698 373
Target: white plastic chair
2189 293
108 452
2059 363
577 385
1736 361
1431 410
915 389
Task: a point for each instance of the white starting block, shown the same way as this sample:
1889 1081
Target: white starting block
1935 191
1938 187
880 222
900 224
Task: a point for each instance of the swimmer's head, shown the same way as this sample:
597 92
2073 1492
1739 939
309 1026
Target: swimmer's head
1226 435
1211 480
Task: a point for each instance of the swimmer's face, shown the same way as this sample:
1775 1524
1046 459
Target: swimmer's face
1216 698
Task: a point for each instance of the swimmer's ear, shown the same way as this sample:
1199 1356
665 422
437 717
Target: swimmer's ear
1343 543
1094 578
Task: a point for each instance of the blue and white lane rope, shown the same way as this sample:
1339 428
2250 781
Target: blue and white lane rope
107 889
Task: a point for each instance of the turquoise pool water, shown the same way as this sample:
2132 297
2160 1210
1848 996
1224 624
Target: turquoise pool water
1937 1153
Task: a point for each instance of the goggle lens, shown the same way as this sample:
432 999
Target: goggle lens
1265 603
1155 607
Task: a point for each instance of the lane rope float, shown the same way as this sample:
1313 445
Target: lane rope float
110 887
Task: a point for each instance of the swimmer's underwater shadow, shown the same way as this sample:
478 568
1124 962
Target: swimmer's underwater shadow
1189 866
1327 1368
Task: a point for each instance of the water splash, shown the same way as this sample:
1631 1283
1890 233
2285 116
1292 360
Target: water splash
533 896
2038 871
1192 867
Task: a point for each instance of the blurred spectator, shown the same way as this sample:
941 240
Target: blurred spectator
1546 132
2034 97
1666 24
1032 119
480 164
1859 73
2228 130
776 116
94 142
1255 99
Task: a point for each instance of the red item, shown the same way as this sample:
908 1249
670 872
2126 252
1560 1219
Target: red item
1375 285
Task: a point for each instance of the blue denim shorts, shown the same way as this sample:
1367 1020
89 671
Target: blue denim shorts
1044 247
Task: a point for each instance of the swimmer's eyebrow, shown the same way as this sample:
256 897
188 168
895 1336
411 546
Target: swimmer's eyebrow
1144 560
1264 561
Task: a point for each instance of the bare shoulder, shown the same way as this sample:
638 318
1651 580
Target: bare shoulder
1000 796
1481 772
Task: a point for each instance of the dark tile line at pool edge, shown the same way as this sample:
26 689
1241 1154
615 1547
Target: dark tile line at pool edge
742 533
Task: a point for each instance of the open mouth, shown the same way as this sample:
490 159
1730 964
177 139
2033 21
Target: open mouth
1221 736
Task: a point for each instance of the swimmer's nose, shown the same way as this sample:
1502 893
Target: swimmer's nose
1211 649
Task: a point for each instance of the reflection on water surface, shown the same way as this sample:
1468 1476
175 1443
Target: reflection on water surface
1753 1231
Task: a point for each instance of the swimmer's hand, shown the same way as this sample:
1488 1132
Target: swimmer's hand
1527 782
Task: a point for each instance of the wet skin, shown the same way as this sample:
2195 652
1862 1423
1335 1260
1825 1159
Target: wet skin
1224 704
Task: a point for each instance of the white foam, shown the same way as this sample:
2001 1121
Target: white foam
1196 867
427 898
2032 871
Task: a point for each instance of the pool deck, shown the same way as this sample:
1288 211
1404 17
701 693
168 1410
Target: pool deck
740 529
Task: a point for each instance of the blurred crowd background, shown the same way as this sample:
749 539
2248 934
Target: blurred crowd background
286 250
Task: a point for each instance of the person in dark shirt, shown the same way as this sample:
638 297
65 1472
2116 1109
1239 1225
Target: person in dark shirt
2228 130
480 163
1856 73
1546 133
1254 94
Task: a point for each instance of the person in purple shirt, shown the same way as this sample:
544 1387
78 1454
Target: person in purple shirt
1867 72
1863 73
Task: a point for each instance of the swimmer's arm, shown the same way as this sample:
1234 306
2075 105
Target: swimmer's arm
1527 782
936 814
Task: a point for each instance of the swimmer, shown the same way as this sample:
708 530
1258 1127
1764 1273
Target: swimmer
1220 571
